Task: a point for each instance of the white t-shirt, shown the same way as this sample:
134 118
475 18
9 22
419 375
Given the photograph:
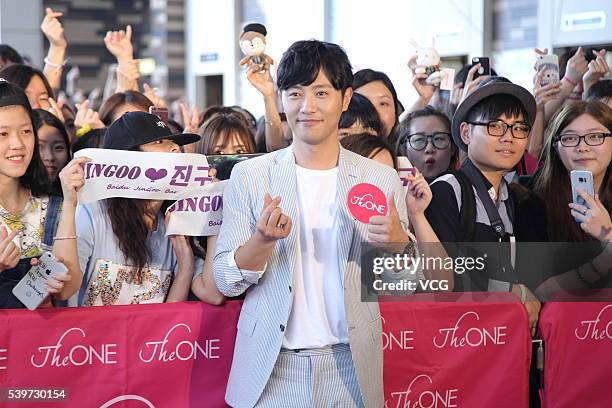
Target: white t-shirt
318 316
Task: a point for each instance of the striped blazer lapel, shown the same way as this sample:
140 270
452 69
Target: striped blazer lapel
348 176
283 183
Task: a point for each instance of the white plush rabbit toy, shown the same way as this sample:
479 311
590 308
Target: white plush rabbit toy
428 62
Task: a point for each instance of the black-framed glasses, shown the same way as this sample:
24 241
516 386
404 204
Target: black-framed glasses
499 128
419 141
591 139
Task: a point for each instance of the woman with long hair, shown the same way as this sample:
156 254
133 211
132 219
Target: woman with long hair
224 133
54 144
578 138
122 248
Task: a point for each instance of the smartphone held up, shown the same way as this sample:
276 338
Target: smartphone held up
581 179
31 289
550 65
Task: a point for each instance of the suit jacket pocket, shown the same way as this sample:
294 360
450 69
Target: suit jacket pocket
246 323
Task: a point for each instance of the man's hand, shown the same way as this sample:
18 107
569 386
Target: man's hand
272 224
532 305
386 232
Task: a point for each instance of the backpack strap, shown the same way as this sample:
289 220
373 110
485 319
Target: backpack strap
467 212
51 221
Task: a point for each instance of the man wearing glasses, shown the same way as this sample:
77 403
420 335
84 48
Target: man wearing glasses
474 204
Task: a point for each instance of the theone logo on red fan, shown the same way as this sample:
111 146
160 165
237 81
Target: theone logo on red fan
366 201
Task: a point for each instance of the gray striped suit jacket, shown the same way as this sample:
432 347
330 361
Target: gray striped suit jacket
268 303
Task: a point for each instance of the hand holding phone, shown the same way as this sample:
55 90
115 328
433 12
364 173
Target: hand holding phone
485 66
582 179
32 290
550 65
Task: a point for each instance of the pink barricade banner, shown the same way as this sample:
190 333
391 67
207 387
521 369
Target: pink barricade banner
578 354
452 354
472 352
164 355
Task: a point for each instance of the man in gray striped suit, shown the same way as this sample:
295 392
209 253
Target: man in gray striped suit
305 338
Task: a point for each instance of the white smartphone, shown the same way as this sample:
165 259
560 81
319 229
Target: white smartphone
581 179
550 65
31 289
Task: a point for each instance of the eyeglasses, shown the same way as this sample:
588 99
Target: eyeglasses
499 128
591 139
418 141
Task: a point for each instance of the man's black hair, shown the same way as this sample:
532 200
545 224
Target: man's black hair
8 53
361 109
303 60
494 106
599 91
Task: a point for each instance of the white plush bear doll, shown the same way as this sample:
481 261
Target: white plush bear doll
428 62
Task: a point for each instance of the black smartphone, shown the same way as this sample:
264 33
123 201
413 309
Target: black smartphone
224 163
485 66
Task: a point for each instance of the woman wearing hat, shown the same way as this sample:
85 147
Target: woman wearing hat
474 204
122 248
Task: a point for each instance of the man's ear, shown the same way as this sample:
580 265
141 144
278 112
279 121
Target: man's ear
346 98
464 132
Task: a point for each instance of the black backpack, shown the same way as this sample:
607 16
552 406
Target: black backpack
467 212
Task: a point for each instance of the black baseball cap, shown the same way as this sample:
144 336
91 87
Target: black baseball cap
258 28
137 128
491 86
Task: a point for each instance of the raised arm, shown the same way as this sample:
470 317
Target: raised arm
55 59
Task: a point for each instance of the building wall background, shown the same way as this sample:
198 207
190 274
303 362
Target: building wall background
194 43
